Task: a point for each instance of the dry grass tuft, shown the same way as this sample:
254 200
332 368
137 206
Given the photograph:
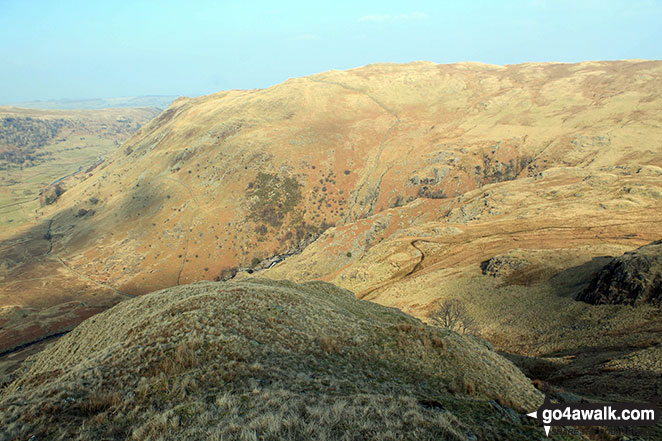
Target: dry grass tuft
99 403
182 359
330 345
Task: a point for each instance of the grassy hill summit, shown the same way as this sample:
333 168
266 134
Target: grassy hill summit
263 359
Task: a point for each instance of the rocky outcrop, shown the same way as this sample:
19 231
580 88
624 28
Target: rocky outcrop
635 278
499 266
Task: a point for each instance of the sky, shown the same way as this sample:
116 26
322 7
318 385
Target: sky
98 49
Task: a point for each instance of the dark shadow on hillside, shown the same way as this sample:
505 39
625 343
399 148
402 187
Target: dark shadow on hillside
572 379
571 281
40 257
584 372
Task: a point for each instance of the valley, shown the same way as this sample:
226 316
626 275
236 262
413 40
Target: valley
40 147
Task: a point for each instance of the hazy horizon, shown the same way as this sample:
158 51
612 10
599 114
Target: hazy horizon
80 51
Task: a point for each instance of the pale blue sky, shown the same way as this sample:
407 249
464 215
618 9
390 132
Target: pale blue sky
92 49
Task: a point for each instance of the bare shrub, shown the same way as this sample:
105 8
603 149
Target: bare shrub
453 315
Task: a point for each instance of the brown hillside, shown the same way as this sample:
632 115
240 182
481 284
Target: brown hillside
532 156
517 254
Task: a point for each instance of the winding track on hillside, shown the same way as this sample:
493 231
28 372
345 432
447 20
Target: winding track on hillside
418 265
186 186
417 270
185 254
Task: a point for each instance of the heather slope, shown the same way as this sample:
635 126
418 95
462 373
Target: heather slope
268 360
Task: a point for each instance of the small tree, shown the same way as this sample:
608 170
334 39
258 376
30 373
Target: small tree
453 315
50 194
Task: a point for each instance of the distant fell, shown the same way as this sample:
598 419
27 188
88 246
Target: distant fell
158 101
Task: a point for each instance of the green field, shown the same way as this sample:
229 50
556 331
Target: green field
20 186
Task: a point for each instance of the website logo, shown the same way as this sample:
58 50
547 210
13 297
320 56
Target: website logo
595 414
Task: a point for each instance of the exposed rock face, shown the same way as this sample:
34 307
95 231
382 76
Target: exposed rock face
499 266
634 278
